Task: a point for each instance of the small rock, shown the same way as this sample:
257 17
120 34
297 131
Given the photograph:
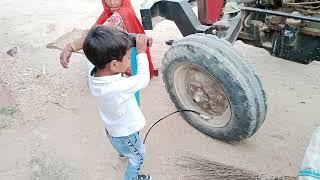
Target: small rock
13 51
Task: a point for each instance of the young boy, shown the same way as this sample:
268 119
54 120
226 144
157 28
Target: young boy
109 51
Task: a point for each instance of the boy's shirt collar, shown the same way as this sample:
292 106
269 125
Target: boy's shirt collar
104 79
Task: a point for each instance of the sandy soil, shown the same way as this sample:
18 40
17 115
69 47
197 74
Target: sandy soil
54 131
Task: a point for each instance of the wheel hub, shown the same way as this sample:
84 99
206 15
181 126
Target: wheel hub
199 91
206 92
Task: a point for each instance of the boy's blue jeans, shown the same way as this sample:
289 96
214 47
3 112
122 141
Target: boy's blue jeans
132 148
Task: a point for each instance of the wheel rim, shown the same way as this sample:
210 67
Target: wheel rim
199 91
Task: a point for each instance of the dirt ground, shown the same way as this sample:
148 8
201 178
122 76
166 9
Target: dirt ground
54 131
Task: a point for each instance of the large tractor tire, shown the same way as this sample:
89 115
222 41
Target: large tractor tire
206 74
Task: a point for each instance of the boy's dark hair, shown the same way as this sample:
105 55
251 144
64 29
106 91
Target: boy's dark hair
104 44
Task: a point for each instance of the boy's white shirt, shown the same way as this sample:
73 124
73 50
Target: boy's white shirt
117 104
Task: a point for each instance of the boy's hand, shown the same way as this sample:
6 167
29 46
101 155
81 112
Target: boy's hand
141 41
128 71
65 56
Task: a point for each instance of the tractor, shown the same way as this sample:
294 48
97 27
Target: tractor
202 72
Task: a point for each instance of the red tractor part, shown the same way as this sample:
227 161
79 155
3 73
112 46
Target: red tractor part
209 11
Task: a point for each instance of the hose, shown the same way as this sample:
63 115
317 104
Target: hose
178 111
248 18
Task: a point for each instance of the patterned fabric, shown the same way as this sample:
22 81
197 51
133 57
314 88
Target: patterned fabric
115 21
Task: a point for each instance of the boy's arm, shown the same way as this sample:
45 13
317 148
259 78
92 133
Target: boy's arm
139 81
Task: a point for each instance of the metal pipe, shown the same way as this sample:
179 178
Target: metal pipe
303 3
284 14
244 1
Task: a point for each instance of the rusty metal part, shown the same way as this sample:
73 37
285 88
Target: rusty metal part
293 22
207 93
310 31
229 28
273 22
248 19
309 12
302 3
199 91
283 14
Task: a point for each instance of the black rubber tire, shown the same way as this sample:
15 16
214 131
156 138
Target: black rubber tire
237 78
245 68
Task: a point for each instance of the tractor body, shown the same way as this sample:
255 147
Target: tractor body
289 29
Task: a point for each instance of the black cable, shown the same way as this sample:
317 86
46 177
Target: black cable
149 130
